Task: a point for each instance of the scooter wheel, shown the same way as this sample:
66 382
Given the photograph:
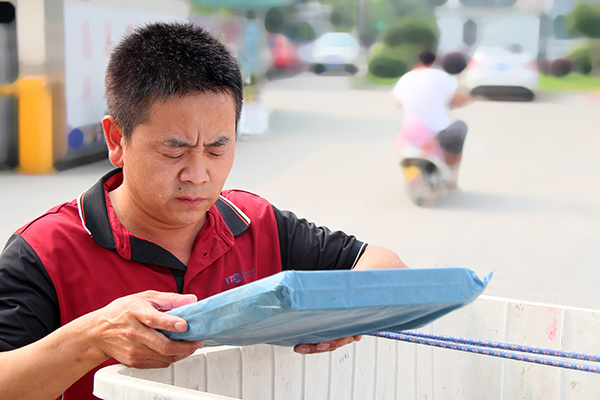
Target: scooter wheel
422 180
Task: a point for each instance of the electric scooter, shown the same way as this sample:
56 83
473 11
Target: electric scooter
429 160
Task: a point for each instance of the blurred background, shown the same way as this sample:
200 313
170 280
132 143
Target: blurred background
319 122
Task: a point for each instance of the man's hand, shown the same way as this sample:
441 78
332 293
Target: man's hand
323 347
126 330
460 99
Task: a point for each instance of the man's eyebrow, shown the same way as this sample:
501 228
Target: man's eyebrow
218 142
174 142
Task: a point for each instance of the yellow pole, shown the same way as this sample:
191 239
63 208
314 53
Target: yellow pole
35 125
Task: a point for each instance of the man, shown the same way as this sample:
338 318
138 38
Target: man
85 284
424 93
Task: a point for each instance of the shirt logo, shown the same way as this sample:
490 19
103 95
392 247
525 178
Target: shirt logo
241 277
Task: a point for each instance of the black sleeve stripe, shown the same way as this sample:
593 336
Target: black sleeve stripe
305 246
28 302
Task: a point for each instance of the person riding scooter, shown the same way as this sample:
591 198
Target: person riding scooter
430 144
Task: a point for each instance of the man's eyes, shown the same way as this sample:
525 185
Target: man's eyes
173 156
216 153
179 154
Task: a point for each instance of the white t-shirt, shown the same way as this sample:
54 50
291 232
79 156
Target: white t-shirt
424 94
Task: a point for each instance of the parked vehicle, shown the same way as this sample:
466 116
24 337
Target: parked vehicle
501 73
335 51
285 57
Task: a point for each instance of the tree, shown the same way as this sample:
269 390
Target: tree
396 31
372 17
398 47
584 18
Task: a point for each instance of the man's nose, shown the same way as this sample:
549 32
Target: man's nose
195 169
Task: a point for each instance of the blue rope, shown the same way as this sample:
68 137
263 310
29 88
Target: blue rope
484 349
508 346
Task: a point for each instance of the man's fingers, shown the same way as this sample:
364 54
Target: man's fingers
149 314
324 346
168 301
127 329
148 358
159 320
161 344
151 349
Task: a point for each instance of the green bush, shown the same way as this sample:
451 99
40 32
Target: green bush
584 18
384 67
368 35
407 53
581 59
397 48
277 18
300 31
393 37
342 18
411 30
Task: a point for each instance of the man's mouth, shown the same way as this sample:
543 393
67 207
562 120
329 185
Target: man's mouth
191 201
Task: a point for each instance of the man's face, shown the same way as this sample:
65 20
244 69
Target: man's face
176 163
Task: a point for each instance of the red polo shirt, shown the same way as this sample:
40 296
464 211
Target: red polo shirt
78 257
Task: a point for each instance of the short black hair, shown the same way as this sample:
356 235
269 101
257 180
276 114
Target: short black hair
160 60
427 57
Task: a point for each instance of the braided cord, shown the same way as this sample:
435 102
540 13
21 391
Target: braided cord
508 346
496 349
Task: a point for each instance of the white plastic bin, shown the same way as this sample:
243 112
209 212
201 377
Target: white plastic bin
381 369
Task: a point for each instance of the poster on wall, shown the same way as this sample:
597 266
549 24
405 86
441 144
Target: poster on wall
91 29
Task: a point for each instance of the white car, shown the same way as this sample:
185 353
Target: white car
498 72
335 50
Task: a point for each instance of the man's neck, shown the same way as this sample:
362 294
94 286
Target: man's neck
178 240
421 66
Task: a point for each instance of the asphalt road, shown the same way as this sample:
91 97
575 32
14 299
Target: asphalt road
528 207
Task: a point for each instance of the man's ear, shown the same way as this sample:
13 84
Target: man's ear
114 140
